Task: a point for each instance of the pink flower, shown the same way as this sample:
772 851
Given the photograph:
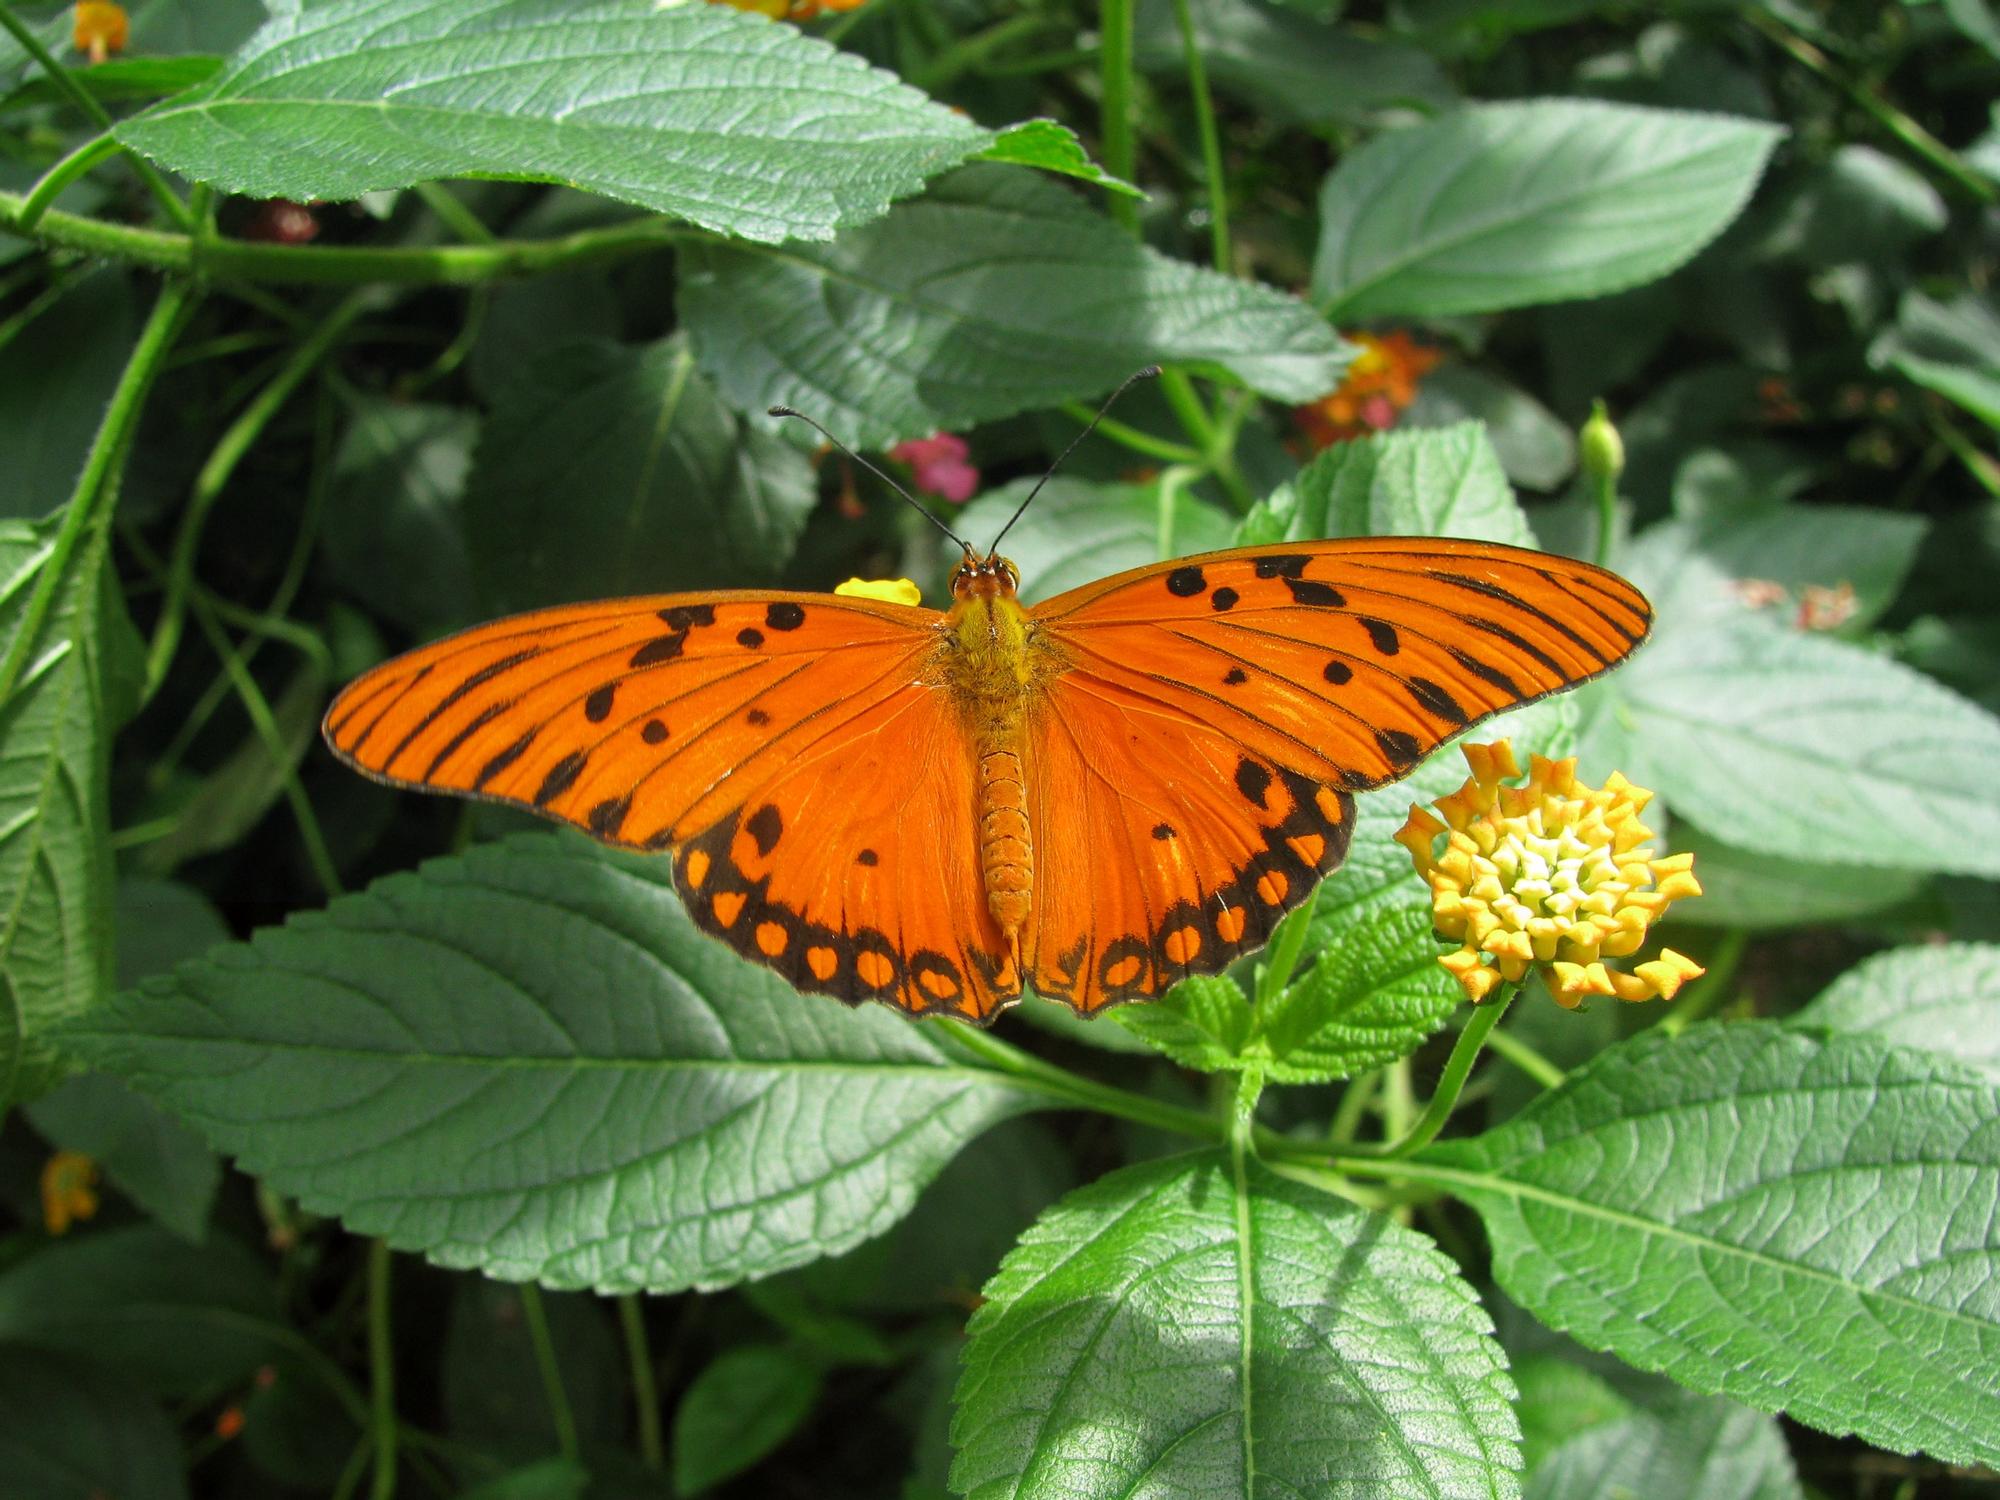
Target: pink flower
938 466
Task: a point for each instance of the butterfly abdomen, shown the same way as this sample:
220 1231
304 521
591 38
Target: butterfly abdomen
1006 857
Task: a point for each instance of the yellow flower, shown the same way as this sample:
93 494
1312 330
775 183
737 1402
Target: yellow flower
1380 383
100 29
69 1190
1553 875
893 590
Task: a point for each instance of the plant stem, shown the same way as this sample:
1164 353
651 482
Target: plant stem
1075 1089
1211 141
1526 1058
381 1372
446 208
1934 151
1714 987
98 115
99 479
215 474
1283 954
551 1371
1173 482
346 265
60 176
1115 130
1131 437
1464 1053
969 52
1605 487
645 1390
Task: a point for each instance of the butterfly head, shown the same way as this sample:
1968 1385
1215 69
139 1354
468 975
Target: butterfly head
989 577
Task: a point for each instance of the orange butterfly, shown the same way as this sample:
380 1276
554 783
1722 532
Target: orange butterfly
1095 797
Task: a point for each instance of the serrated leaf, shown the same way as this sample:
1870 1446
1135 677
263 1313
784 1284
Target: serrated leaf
1197 1327
1750 889
68 1432
1685 1445
1203 1023
1813 749
526 1059
1077 532
994 293
1941 999
1440 481
1052 146
1375 993
1534 448
175 1318
1804 1223
694 110
55 862
1508 205
607 470
737 1410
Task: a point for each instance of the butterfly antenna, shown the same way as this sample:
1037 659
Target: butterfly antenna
915 504
1109 401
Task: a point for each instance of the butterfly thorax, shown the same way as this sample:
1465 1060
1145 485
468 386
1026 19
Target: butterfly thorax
992 661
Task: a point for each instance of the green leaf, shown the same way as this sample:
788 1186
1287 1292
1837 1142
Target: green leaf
1681 1445
1534 448
1952 348
1197 1327
148 1155
178 1319
55 862
1941 999
698 111
1440 481
70 1432
1801 1222
1813 749
1052 146
994 293
1762 892
56 377
608 470
117 80
1559 1399
737 1410
1077 532
1295 67
526 1059
551 1479
395 534
1203 1023
1859 205
1508 205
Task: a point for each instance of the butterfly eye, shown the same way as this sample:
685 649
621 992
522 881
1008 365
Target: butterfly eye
1013 573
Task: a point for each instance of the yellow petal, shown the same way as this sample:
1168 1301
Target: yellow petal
889 590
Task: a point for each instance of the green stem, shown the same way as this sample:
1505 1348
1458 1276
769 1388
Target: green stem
1193 416
1211 141
1984 471
551 1371
58 287
101 466
58 177
969 52
1604 485
1115 129
1714 987
1919 140
1526 1058
347 265
449 211
381 1373
1045 1078
1354 1101
98 115
1456 1070
1282 957
645 1389
1173 482
1131 437
215 474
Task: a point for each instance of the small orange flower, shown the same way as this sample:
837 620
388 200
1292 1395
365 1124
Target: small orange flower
1379 386
791 10
229 1422
1553 875
101 29
69 1190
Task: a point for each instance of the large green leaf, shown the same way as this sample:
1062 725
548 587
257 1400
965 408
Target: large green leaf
608 470
695 110
55 863
1943 999
1813 749
70 1432
1439 481
1684 1445
526 1059
1201 1327
1802 1222
993 293
1746 888
1507 205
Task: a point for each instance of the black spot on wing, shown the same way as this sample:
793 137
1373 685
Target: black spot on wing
1185 583
561 775
1282 565
1235 675
758 717
1311 591
867 857
1401 747
784 615
597 707
750 636
608 816
1434 698
684 617
654 733
1223 599
1382 636
660 648
1252 780
1337 672
1163 831
765 826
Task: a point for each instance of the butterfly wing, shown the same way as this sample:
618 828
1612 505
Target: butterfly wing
771 738
1234 700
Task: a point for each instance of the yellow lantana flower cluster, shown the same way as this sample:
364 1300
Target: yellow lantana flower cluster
1551 874
69 1190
